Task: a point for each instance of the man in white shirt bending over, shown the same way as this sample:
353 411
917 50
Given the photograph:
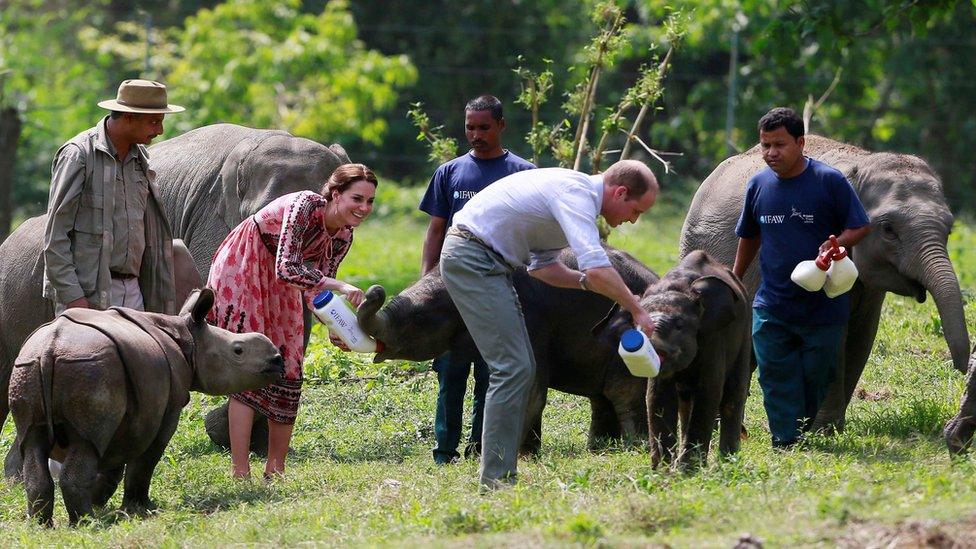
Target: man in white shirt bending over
526 219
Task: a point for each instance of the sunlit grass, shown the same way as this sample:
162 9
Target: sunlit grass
361 471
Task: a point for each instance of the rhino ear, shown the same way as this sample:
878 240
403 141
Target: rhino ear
198 304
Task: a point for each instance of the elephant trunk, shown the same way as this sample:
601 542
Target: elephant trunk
939 278
369 316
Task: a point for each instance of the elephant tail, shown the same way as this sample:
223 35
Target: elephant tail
46 371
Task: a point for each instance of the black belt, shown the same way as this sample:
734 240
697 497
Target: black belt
122 276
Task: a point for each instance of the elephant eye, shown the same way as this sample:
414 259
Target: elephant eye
889 230
238 350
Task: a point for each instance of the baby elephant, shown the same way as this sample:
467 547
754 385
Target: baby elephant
702 323
105 389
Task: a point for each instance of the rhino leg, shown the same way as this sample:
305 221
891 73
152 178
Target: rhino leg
38 483
139 471
106 483
217 429
78 478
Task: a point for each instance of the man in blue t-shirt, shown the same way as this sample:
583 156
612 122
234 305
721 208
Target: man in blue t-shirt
791 208
453 184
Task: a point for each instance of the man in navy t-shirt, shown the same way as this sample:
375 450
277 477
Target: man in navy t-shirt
453 184
791 208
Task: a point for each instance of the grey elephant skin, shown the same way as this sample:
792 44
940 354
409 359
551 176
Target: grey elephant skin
702 333
212 178
23 308
105 389
905 252
422 323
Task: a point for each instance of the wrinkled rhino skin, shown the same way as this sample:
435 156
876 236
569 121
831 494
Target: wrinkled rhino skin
23 308
104 389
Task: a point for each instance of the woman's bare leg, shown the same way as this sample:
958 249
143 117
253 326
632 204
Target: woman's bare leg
279 436
240 419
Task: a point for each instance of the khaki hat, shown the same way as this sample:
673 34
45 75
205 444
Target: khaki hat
143 96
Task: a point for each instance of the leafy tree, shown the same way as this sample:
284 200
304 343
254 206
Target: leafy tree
268 64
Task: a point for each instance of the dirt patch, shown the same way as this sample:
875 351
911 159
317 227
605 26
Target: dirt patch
910 534
863 394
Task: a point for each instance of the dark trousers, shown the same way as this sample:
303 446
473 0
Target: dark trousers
452 381
796 364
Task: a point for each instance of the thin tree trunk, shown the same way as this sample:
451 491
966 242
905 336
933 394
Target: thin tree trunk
10 126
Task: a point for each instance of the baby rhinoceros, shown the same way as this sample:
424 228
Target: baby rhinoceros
702 323
105 389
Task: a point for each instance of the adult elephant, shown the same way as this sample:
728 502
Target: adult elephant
905 252
23 308
212 178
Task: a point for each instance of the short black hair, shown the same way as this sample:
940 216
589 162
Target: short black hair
486 103
782 117
115 115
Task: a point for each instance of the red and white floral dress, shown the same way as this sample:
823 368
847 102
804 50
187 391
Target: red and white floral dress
260 274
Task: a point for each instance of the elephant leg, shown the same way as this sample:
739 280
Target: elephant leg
662 418
38 483
216 425
532 432
78 478
862 328
604 425
106 483
732 412
701 424
13 464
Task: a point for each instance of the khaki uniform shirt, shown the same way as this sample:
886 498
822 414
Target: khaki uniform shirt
82 230
131 193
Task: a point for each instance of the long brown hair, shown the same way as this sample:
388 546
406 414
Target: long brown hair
344 176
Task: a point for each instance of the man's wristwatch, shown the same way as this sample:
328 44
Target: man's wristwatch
582 282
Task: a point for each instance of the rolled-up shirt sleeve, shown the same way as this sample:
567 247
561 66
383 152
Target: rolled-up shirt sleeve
575 211
67 178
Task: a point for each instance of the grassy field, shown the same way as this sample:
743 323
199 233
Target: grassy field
361 472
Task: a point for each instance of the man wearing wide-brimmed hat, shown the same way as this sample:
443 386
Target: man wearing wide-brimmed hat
107 242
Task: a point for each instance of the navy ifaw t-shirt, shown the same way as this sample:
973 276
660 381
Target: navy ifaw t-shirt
794 217
457 181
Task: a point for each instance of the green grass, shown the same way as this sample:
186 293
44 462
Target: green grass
361 471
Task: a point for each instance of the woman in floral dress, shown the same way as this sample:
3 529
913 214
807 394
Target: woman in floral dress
288 251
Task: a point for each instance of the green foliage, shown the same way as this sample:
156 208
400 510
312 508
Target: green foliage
268 64
442 148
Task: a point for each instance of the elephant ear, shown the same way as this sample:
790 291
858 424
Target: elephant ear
720 297
340 153
616 321
230 185
198 305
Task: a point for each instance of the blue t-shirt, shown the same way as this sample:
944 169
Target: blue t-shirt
457 181
794 217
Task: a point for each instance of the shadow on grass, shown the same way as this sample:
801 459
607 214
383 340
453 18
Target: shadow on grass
231 496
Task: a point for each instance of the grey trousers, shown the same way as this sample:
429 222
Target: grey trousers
480 283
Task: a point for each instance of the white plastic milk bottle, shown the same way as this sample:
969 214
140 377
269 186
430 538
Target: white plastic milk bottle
812 273
340 316
638 354
841 275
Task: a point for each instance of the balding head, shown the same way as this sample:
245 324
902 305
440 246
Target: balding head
629 190
633 175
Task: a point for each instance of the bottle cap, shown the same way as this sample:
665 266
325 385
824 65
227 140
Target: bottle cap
322 299
632 340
